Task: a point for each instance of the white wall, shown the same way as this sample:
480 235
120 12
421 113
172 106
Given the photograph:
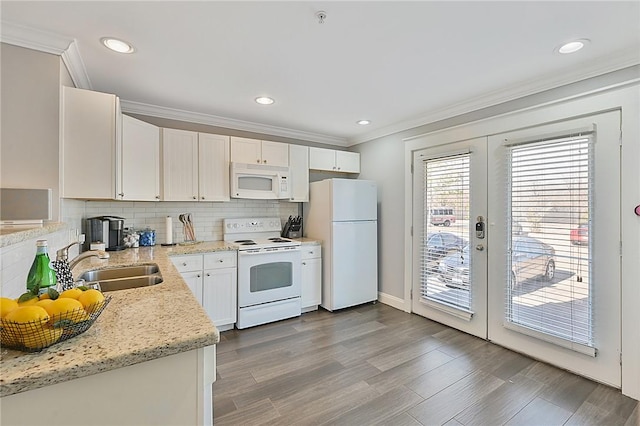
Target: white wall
30 86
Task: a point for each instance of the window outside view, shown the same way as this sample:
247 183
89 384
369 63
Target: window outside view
548 267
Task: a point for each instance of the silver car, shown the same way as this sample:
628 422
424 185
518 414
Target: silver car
530 258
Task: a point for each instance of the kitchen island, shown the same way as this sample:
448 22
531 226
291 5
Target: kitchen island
148 359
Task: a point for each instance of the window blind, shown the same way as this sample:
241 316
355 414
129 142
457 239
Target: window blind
445 264
549 265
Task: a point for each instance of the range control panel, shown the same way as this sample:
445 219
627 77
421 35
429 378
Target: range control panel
260 224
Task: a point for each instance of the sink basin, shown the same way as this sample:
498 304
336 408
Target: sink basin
120 272
131 282
124 277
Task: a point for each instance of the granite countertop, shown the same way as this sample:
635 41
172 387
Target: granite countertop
12 235
138 325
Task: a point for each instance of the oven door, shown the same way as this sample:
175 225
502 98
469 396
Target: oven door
268 276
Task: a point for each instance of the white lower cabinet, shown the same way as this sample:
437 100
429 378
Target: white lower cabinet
213 279
311 288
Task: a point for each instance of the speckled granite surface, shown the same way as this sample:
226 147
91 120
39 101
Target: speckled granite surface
9 236
138 325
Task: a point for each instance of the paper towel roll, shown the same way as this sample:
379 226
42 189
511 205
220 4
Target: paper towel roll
169 229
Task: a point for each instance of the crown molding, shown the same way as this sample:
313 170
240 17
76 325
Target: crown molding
32 38
611 63
228 123
44 41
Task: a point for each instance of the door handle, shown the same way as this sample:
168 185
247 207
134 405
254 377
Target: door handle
480 247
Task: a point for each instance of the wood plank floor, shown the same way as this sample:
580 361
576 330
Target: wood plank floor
374 364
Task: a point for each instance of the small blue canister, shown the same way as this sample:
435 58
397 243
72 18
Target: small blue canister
148 238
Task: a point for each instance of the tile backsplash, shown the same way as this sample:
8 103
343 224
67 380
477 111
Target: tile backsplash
16 259
206 217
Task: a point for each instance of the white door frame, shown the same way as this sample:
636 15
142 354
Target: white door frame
627 100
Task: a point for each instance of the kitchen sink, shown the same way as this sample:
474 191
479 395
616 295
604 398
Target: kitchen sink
124 277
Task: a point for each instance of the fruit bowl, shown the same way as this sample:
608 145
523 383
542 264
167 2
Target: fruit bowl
34 336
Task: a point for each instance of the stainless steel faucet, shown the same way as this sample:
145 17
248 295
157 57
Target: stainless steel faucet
63 254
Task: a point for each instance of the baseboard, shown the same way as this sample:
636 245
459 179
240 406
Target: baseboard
393 301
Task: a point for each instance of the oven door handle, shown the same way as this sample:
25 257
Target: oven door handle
253 253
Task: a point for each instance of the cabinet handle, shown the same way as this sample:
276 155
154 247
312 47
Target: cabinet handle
157 197
338 168
334 167
208 274
198 276
195 198
202 198
258 161
184 263
121 194
221 260
304 263
264 161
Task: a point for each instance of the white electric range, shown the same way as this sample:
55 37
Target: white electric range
268 270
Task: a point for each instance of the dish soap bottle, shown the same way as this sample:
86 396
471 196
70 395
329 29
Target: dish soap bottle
41 274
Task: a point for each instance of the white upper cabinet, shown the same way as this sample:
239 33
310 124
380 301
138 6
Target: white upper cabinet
139 179
334 161
254 151
195 166
299 173
179 165
213 167
91 131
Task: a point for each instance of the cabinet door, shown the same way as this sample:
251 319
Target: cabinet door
299 173
140 161
244 150
179 165
348 162
213 167
275 153
90 122
219 295
194 281
322 159
311 291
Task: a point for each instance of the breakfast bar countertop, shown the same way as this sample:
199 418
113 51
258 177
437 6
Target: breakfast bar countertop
138 325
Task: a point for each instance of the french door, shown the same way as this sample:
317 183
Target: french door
450 267
542 273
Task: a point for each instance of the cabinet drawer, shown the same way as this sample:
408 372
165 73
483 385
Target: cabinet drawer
188 262
310 252
222 259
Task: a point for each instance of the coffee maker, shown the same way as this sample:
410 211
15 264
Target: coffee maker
105 229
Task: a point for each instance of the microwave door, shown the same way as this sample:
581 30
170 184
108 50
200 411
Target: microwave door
255 186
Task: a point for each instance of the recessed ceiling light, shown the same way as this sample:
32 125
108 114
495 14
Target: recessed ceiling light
264 100
363 122
573 46
117 45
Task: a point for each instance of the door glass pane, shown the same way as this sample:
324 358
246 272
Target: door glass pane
255 183
549 245
269 276
445 261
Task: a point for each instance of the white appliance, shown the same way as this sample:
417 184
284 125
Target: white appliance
343 213
259 181
268 271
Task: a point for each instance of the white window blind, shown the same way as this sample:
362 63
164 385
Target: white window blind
445 264
549 265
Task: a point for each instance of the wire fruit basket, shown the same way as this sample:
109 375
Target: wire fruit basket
34 336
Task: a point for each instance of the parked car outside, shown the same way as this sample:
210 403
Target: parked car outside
579 235
530 258
441 244
442 216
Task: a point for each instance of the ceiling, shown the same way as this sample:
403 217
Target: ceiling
398 64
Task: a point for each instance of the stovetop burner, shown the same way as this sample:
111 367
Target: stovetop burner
279 240
246 242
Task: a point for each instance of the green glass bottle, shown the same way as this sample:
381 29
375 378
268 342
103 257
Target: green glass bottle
41 273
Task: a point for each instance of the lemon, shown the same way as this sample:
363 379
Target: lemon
7 305
92 300
28 314
72 293
65 308
43 302
43 338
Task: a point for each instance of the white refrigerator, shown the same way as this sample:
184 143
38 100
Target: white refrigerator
343 214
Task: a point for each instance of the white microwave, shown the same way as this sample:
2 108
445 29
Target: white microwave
259 181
